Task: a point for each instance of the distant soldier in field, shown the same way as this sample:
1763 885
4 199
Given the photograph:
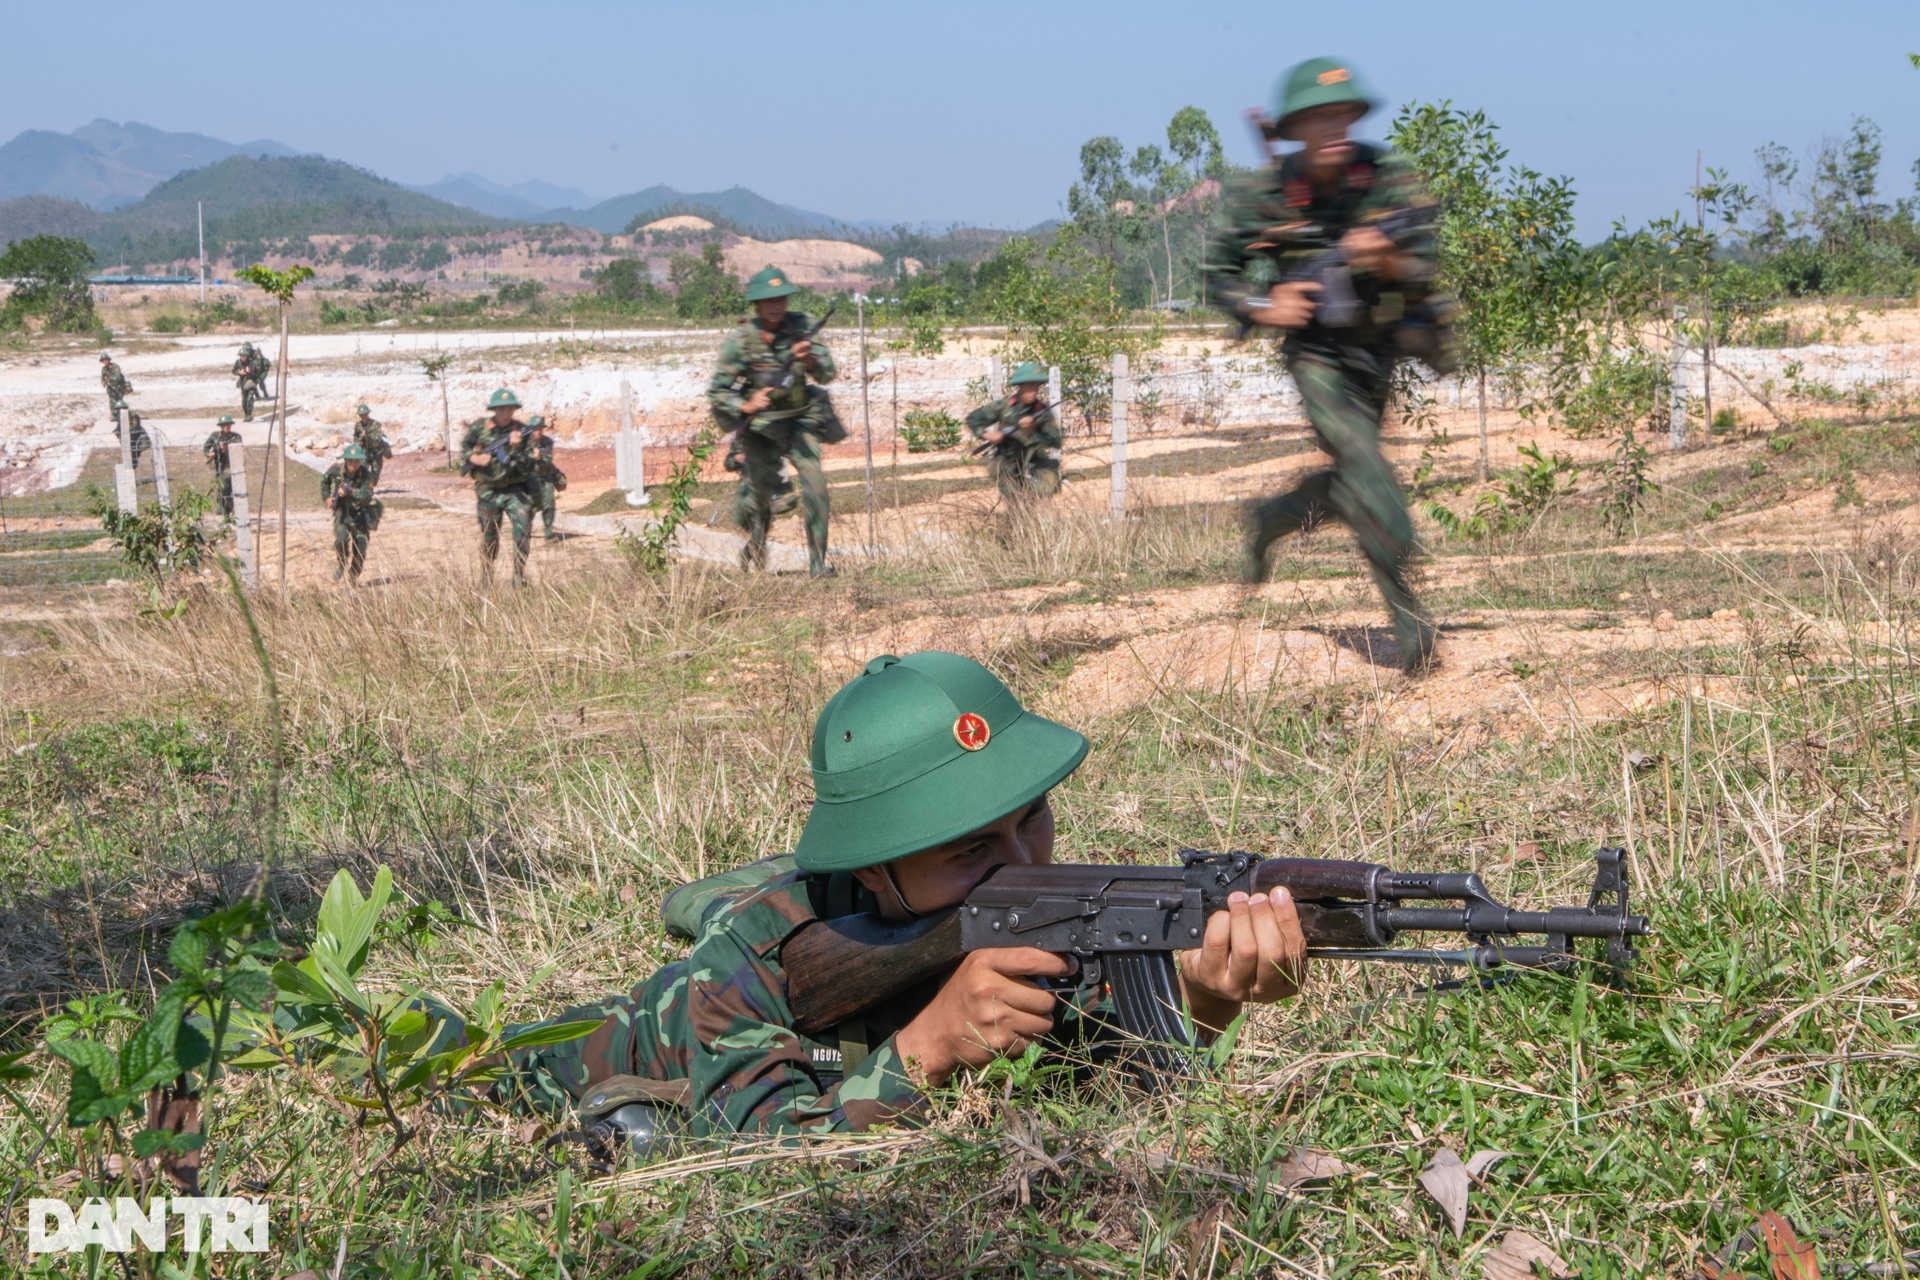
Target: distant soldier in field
1331 192
118 389
1024 435
221 458
501 459
347 489
250 370
760 389
548 479
372 437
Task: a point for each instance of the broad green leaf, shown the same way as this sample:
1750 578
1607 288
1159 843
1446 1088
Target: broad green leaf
252 1058
406 1023
191 1048
366 1104
347 918
250 988
188 954
10 1068
88 1056
415 1076
150 1142
551 1033
146 1060
89 1104
338 979
297 986
486 1007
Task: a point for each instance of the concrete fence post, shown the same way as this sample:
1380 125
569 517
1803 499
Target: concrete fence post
1122 393
126 485
996 379
629 455
1053 396
242 530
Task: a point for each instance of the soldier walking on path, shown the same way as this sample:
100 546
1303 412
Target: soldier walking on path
1024 435
760 389
548 479
218 448
250 370
1330 192
371 436
118 389
347 489
501 459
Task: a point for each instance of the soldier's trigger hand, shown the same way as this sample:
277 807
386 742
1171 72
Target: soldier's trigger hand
1289 306
803 350
991 1007
759 400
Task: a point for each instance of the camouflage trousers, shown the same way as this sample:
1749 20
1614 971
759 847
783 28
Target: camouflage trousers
762 452
223 492
543 491
1024 472
350 533
515 504
1345 407
141 441
250 391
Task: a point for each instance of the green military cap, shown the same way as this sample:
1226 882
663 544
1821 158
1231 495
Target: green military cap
1027 371
770 282
362 410
246 346
105 356
920 750
536 422
224 420
503 399
1318 82
354 453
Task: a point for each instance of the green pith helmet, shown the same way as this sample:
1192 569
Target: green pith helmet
536 422
770 282
362 410
106 358
1318 82
919 750
503 399
246 346
224 420
354 453
1026 371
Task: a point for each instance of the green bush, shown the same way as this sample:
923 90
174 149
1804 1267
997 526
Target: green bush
929 430
168 322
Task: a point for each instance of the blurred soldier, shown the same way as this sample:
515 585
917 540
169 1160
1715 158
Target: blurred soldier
1330 192
785 498
372 437
1024 435
760 389
347 489
250 370
501 459
118 389
220 458
547 478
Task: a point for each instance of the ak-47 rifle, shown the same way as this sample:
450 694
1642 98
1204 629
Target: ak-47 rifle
986 445
1123 924
499 445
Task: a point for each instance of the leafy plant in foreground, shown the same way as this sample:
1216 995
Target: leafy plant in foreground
651 549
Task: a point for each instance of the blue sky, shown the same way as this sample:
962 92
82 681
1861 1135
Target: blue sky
944 112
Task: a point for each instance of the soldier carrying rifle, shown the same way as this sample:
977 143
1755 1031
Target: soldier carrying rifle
1022 436
1346 228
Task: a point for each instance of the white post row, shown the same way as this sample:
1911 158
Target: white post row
126 486
1677 379
1122 393
242 529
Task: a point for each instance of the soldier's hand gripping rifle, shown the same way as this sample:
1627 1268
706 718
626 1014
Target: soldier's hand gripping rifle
1123 924
1336 306
777 378
498 447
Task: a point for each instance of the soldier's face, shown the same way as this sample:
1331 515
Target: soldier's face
771 311
502 416
1322 133
941 877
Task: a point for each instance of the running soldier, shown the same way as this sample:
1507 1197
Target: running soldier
221 459
500 457
1023 435
347 490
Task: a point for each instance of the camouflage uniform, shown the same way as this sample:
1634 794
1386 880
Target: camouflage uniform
250 371
791 429
719 1020
1026 462
218 451
118 389
1274 219
502 490
371 436
548 480
356 514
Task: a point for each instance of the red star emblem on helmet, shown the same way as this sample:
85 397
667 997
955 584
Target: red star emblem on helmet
971 731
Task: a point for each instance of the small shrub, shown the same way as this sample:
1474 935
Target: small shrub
929 430
651 549
168 322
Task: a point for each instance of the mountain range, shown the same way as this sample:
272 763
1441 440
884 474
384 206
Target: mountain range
113 182
106 165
